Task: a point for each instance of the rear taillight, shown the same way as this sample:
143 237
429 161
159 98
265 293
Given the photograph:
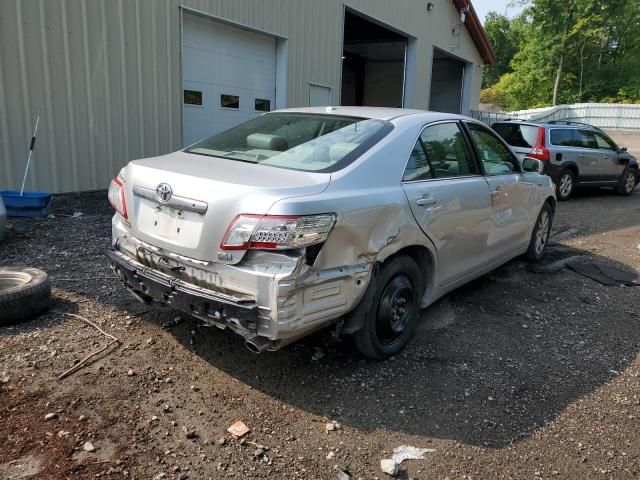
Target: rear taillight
277 232
540 151
116 197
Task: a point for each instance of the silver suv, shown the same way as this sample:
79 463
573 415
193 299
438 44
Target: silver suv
574 154
304 218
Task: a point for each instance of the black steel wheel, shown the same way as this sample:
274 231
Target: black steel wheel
393 311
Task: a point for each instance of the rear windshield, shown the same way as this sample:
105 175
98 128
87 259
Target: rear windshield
517 135
297 141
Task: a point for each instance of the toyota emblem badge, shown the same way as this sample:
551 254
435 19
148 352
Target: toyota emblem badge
164 192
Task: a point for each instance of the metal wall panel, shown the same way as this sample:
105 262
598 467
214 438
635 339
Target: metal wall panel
105 74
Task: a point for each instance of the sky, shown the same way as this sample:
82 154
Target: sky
484 6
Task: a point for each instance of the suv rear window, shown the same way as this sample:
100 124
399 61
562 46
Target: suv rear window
562 137
517 135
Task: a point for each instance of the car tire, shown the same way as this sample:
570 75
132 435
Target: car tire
540 234
628 182
24 293
393 310
566 184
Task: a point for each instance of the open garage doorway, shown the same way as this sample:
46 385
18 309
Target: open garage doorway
447 81
373 63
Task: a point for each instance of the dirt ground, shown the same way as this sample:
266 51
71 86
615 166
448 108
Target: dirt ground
516 375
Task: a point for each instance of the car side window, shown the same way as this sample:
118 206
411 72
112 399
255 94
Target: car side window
447 151
605 143
562 137
586 139
418 167
495 156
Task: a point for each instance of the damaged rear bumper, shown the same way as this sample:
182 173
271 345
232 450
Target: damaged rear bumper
149 285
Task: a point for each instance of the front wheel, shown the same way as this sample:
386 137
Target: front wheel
628 182
393 314
540 234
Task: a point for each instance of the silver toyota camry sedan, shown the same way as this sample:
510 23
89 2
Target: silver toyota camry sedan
304 218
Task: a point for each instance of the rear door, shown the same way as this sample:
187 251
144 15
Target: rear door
511 197
611 165
449 199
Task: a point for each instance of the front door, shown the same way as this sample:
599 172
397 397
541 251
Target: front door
611 165
511 198
449 199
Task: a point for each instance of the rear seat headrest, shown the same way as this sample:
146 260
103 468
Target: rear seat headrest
265 141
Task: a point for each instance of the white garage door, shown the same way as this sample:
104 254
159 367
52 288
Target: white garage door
229 76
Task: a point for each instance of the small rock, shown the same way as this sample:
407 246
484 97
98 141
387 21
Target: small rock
5 377
88 447
222 441
131 373
389 466
154 418
238 429
159 476
50 416
166 408
151 341
190 434
82 418
183 476
318 355
330 455
195 388
330 427
259 452
63 433
343 474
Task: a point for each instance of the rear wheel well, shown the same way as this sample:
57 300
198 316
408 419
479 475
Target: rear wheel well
573 169
424 259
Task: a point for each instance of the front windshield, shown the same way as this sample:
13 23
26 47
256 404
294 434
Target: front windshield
298 141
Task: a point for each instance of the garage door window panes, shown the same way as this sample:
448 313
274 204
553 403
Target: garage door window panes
229 101
262 105
192 97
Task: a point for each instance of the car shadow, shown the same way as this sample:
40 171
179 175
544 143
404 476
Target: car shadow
491 362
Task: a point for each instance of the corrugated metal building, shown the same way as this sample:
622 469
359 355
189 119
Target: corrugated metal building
115 80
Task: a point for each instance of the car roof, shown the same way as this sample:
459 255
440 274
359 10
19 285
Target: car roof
558 124
380 113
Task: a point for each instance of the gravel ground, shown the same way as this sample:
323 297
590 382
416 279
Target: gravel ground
516 375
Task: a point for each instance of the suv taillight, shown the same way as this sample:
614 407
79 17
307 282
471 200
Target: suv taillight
116 197
276 232
540 151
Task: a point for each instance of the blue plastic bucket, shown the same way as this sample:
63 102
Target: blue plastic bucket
30 204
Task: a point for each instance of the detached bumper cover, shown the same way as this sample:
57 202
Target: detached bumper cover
149 284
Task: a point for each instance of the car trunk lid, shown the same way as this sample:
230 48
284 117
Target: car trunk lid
184 203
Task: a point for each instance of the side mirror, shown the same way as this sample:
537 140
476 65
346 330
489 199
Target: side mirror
622 150
532 165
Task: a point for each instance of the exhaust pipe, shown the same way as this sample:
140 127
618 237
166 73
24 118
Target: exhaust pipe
258 344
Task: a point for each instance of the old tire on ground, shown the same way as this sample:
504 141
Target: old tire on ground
540 234
394 310
566 184
24 293
628 182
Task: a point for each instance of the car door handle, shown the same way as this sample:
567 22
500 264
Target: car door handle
426 201
496 192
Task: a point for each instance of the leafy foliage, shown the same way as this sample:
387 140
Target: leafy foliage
585 50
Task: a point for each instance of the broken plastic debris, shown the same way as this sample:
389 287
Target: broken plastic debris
407 452
238 429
